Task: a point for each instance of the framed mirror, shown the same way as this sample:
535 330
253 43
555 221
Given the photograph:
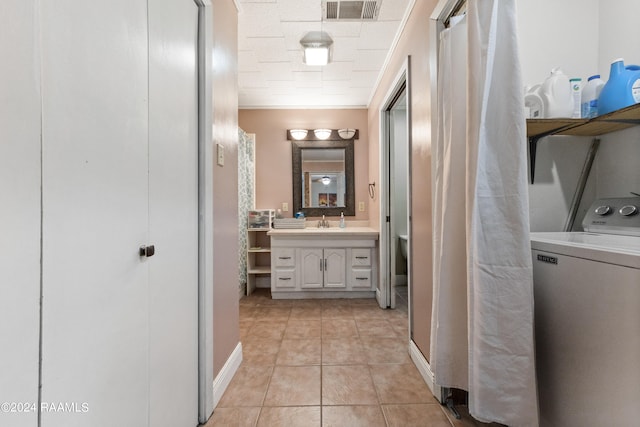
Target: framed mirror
323 177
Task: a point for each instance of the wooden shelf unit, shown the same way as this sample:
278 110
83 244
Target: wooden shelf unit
258 256
258 246
616 120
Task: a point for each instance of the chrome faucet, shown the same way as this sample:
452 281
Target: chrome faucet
323 223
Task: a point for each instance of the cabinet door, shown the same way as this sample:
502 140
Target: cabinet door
334 268
311 268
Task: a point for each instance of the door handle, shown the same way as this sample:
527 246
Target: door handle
147 251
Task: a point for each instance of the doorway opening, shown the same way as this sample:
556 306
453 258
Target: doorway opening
395 240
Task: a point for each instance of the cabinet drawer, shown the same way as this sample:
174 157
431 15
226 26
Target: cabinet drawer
360 257
285 257
285 279
361 278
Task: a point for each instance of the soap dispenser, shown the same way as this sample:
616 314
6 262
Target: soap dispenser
342 224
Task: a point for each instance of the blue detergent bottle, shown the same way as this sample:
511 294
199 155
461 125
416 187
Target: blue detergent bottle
622 89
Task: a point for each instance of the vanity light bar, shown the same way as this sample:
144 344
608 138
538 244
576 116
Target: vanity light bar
322 134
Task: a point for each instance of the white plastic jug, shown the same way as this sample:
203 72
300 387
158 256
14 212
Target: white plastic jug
556 95
533 103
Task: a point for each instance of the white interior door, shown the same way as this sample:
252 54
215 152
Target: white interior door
173 213
95 347
20 211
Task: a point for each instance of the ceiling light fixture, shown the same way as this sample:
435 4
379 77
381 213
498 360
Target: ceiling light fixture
317 48
322 133
346 133
298 133
325 180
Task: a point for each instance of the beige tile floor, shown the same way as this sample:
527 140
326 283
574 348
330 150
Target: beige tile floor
327 363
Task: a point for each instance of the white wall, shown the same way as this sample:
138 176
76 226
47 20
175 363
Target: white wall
619 33
555 34
400 168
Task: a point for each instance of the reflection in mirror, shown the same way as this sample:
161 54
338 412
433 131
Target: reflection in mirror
323 180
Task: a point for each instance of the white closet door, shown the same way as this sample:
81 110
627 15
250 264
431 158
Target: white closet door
19 211
173 212
95 212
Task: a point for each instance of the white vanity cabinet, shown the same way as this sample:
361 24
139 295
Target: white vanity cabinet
323 263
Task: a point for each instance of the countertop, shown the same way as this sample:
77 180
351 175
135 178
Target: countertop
354 232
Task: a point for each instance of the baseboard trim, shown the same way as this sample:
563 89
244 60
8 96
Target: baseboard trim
425 369
321 294
226 374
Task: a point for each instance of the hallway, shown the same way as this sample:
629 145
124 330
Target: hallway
326 363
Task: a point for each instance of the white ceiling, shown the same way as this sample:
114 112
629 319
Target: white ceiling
271 73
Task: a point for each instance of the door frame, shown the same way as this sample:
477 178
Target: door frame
205 210
402 81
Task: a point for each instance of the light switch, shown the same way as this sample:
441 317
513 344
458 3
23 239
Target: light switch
220 150
361 206
285 207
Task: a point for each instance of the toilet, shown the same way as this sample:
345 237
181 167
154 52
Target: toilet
403 244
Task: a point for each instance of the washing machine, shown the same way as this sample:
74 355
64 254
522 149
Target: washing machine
587 318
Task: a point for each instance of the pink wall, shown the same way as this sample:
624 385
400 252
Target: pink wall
226 329
415 42
273 151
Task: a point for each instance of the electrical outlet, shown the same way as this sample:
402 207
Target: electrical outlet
220 152
361 206
285 207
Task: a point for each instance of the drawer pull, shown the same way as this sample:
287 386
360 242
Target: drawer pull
362 257
285 278
284 257
361 278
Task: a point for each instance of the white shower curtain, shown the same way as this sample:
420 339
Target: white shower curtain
482 326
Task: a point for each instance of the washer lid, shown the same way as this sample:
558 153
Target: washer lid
609 248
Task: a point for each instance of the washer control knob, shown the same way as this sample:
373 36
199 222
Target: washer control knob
628 210
603 210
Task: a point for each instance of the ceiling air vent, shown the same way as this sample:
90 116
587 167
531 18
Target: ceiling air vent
343 10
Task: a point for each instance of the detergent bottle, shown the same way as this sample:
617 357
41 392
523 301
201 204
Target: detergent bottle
590 95
556 95
622 89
